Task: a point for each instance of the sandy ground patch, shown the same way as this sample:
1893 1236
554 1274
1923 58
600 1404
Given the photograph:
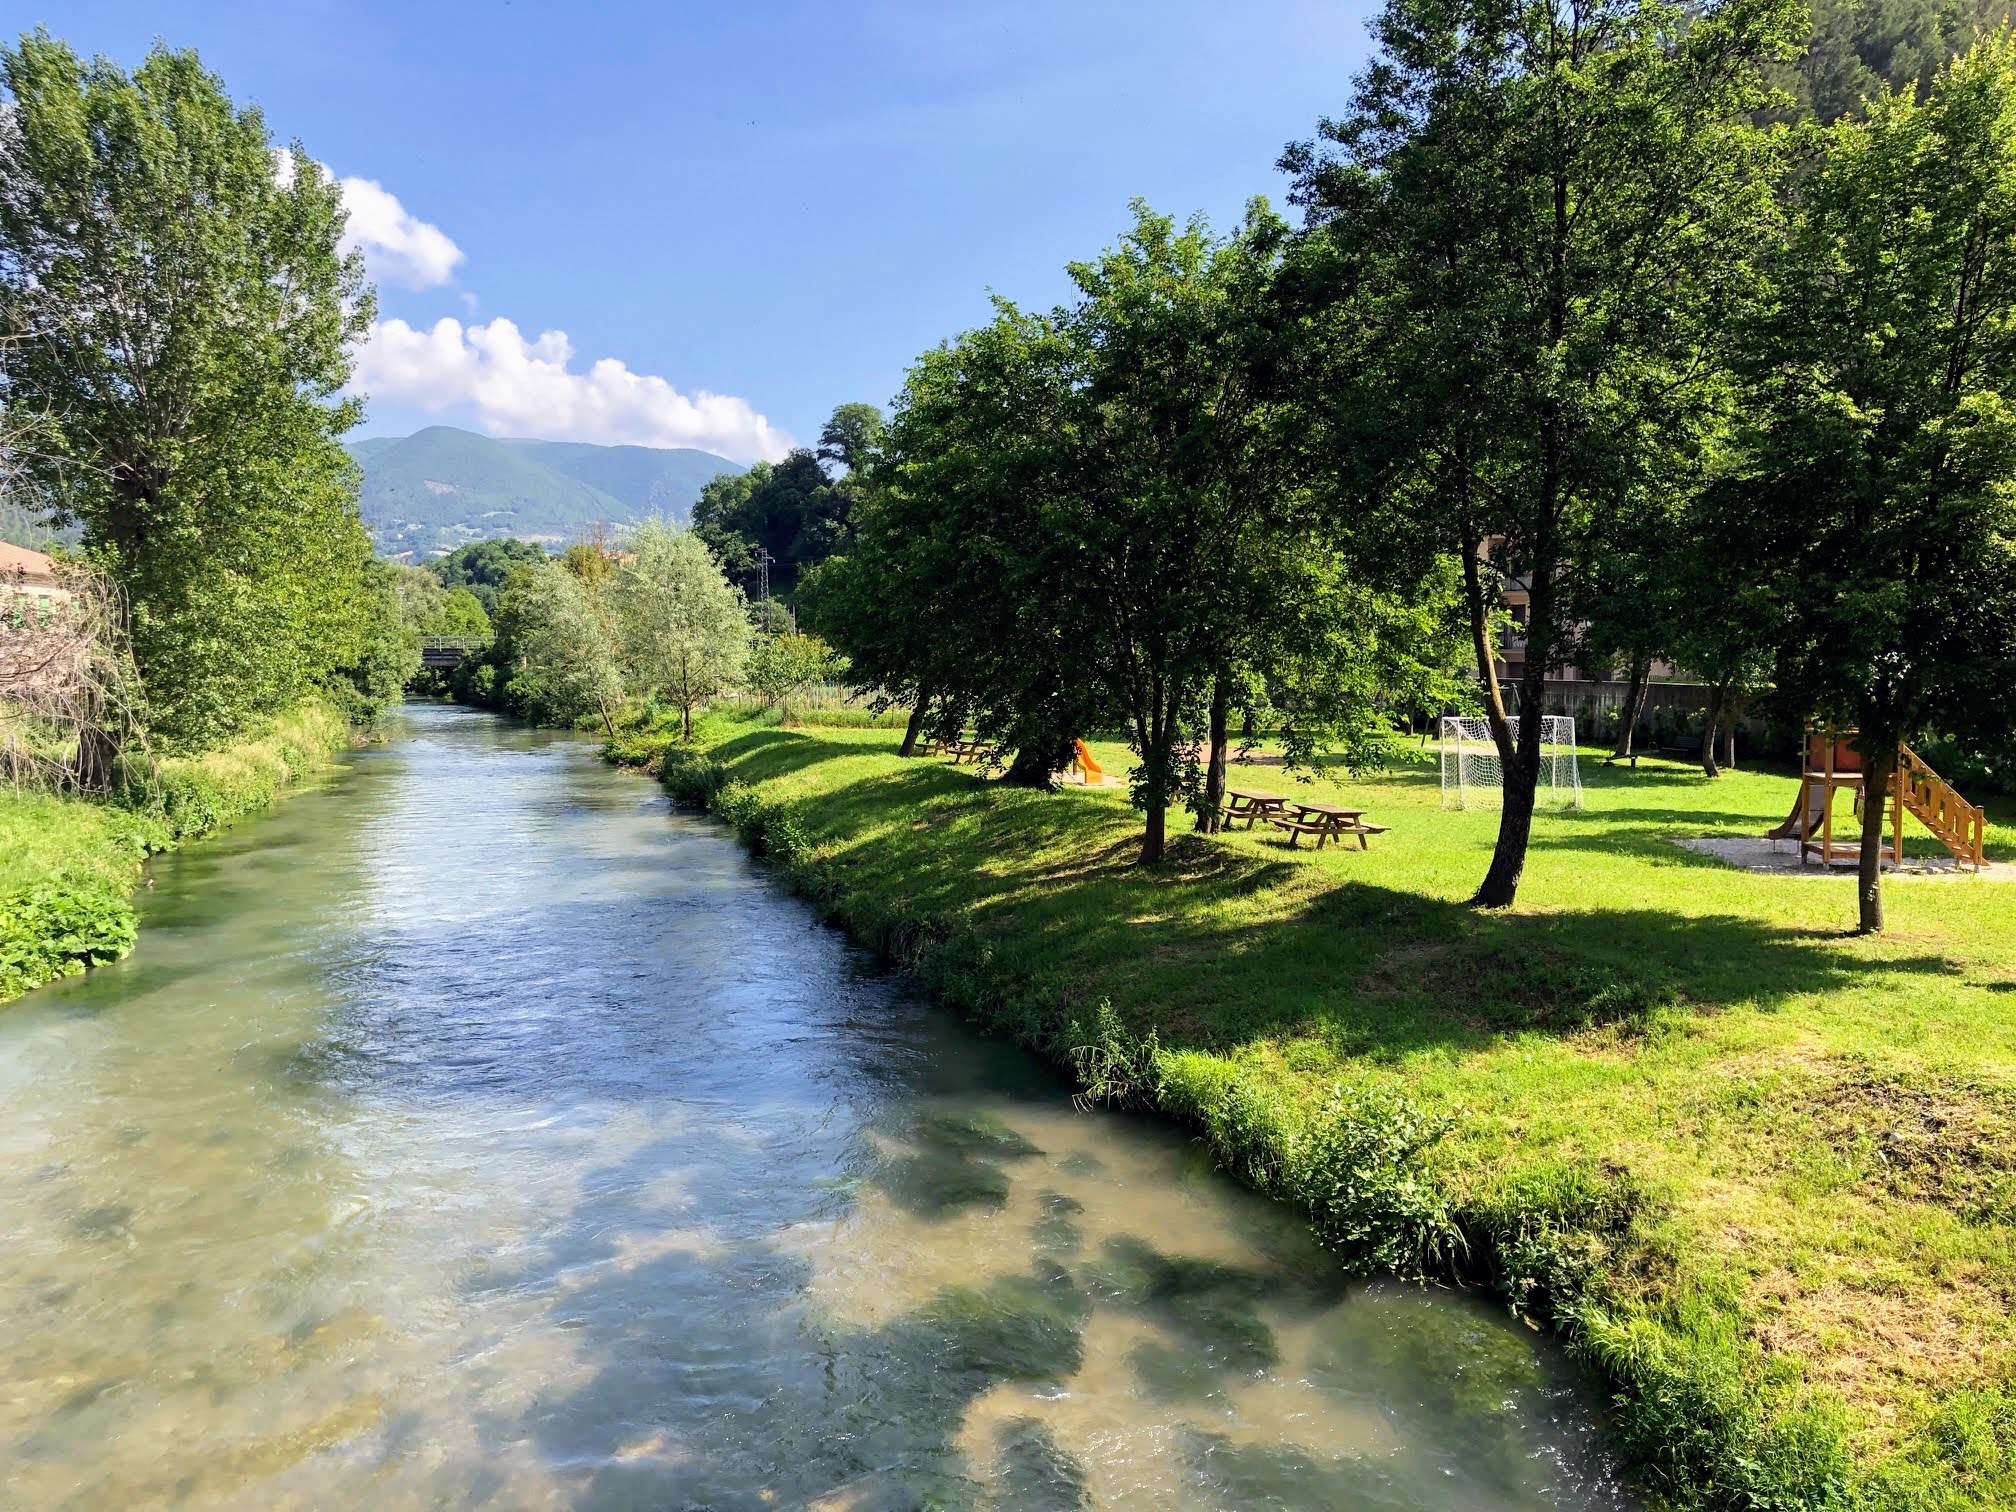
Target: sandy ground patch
1757 854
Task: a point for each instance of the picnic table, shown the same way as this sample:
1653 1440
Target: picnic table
959 750
1250 804
1325 821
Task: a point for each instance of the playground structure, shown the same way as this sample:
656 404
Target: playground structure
1832 762
1085 769
1472 771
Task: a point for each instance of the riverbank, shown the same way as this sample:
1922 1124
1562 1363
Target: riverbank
1759 1172
68 865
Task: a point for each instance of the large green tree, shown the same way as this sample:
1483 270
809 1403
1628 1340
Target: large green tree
484 567
799 510
684 627
1537 217
1875 507
174 301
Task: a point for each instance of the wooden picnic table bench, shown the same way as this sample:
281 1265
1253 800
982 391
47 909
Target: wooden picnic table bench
1250 804
1325 821
979 750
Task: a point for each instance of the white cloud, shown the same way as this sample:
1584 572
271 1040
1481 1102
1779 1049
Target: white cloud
523 388
398 246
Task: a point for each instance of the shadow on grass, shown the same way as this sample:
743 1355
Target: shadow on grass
1223 945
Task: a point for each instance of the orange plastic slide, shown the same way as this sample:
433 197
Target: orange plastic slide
1094 775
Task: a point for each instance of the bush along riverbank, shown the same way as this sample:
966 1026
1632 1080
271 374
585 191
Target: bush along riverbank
1757 1175
68 865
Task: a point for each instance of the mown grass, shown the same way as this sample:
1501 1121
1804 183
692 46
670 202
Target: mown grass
68 865
1760 1171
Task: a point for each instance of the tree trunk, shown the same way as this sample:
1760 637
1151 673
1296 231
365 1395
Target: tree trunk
1634 705
1521 762
1213 806
1718 700
1729 740
1033 767
97 761
915 726
1154 836
1879 768
686 721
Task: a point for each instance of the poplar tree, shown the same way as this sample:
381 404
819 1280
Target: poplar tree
174 304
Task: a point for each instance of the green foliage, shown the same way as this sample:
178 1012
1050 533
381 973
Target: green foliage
782 666
1529 234
384 653
184 317
1874 504
684 626
557 644
484 567
61 926
792 509
461 613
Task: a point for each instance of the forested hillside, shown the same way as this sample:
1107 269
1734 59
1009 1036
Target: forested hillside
440 488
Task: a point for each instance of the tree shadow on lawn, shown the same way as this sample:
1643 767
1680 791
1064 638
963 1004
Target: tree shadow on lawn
1187 948
1384 973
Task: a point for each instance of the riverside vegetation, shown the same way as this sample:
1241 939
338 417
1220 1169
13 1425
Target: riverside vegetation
1756 1171
68 864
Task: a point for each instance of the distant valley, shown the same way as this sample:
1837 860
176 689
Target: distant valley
437 488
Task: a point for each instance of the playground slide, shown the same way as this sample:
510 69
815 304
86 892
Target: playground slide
1090 770
1816 806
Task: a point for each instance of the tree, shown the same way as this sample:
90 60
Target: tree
684 626
461 613
483 567
1537 217
561 658
182 314
384 652
783 666
1875 500
958 593
420 595
800 510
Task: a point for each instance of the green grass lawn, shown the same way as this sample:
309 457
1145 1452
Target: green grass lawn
1816 1133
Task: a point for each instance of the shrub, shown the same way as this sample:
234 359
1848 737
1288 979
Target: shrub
59 926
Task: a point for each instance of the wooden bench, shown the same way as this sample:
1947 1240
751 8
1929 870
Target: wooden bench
1250 804
1326 821
978 750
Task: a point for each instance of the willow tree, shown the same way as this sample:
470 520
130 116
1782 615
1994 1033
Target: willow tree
1539 214
683 627
183 315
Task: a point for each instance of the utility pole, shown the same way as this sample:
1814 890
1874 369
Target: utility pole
763 561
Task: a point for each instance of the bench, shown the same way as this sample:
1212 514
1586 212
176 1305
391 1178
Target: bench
960 750
1250 804
1326 821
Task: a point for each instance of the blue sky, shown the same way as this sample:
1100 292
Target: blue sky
776 204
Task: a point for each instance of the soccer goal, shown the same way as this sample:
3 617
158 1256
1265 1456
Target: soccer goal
1472 773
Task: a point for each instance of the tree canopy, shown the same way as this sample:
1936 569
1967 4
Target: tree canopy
175 302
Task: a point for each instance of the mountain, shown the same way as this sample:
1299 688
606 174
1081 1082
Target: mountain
437 488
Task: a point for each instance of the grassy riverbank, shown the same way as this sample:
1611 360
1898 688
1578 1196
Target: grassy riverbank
68 865
1762 1173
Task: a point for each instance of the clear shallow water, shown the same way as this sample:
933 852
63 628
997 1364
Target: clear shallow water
476 1131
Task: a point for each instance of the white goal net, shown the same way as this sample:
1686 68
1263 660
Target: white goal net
1472 773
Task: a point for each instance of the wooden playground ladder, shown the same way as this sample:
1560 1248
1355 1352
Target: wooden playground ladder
1959 825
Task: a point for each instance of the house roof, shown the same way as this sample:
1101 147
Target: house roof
20 559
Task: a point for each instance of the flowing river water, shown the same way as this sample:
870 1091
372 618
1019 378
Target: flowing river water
474 1130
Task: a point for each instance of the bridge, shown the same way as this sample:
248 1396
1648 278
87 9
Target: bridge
446 651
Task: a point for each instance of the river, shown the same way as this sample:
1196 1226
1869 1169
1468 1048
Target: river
476 1130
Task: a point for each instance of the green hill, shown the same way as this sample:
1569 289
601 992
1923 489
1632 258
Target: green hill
437 488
